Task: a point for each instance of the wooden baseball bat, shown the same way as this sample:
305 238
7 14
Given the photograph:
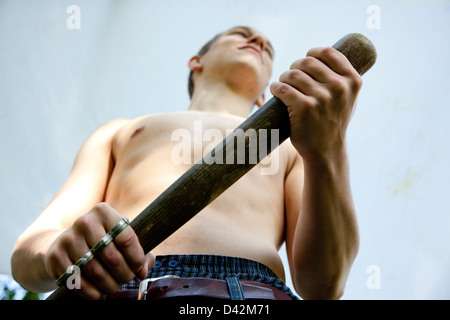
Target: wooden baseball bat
208 178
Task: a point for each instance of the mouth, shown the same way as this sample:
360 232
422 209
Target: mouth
253 49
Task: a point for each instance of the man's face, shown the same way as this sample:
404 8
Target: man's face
242 54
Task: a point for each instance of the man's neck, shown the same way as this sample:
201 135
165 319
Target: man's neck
221 101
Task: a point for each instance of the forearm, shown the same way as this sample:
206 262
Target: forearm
27 261
326 237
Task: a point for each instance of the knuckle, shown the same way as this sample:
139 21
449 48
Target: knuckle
54 263
83 223
67 239
328 51
126 239
94 272
53 256
323 97
357 82
338 88
308 62
102 208
280 88
294 75
112 258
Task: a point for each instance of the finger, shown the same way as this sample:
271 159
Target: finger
290 96
150 262
128 244
92 228
114 261
69 249
124 257
334 59
81 284
111 256
301 81
89 290
56 263
314 68
98 275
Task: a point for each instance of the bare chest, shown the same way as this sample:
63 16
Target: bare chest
150 153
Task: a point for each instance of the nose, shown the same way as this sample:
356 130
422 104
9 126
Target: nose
258 40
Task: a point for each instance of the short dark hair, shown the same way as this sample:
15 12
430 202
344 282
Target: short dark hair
202 52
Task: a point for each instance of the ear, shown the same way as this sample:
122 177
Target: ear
260 101
194 63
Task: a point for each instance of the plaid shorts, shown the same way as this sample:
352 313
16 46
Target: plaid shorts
214 267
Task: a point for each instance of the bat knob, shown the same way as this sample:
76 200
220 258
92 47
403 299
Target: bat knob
359 50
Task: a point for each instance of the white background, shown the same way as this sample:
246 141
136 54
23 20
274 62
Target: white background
129 58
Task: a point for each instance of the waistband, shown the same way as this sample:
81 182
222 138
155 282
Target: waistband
213 267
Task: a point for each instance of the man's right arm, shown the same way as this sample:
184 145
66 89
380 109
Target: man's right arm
72 219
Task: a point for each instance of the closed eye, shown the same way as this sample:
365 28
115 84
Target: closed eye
269 52
242 33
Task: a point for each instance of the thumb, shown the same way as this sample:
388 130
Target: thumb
150 260
149 263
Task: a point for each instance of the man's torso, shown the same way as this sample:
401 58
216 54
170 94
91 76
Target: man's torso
247 220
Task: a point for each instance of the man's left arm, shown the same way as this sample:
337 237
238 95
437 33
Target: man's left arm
322 233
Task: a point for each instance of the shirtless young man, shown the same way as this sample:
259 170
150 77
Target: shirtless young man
126 164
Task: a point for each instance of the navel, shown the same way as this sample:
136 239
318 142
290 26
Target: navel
137 131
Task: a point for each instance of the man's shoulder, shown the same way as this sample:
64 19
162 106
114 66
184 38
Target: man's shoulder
109 128
154 117
116 127
177 117
120 123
